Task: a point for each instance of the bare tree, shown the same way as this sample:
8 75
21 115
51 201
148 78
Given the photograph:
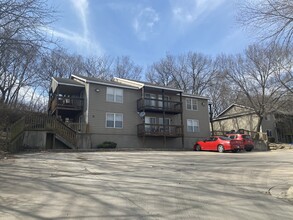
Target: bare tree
270 19
22 39
284 64
99 67
124 67
17 71
255 75
191 72
58 63
161 72
23 22
195 72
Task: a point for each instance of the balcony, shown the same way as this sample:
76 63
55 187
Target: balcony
158 105
159 130
67 103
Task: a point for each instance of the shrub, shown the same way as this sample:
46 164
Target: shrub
107 144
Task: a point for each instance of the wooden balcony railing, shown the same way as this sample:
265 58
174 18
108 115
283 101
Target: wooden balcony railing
158 105
159 130
73 103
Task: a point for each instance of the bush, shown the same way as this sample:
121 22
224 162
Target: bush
107 144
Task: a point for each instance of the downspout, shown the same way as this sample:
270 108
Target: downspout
143 109
164 115
182 124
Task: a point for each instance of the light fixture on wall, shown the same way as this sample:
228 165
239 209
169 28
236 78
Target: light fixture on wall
97 90
203 104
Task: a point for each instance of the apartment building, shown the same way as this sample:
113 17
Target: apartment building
130 113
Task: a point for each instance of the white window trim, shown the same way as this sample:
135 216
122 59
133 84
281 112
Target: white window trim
115 94
107 113
192 100
192 126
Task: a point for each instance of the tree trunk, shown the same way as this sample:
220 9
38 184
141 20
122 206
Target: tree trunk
260 118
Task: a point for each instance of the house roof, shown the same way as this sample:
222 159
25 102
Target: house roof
94 80
141 84
65 81
246 111
130 84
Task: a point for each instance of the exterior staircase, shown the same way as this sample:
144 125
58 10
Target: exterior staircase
48 124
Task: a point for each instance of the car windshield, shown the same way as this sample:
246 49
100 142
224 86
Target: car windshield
225 138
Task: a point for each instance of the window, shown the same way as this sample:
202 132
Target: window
150 124
114 95
191 104
167 124
192 125
150 100
114 120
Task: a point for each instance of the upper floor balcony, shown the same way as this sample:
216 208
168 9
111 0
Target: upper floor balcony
66 103
158 105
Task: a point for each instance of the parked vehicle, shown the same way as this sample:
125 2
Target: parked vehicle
245 138
220 144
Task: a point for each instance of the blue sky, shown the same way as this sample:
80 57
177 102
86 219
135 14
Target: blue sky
146 30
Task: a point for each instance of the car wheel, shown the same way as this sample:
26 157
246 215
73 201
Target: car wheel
235 151
197 147
221 148
248 149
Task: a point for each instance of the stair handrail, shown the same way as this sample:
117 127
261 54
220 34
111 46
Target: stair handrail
50 123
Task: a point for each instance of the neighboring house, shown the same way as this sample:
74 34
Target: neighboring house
133 114
237 117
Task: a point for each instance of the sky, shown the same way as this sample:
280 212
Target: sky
147 30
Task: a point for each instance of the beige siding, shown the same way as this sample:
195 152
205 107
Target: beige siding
201 115
98 107
126 137
247 122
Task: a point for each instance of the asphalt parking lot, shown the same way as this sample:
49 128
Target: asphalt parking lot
147 185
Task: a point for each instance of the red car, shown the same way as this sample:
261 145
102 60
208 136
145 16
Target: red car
245 138
219 143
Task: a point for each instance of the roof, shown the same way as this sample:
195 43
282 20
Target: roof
130 84
141 84
94 80
222 115
65 81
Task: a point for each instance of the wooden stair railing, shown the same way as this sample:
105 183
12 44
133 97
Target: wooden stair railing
43 123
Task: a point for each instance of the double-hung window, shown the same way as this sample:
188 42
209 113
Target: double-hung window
114 95
114 120
192 125
191 104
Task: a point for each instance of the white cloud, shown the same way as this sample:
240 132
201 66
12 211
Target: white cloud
145 22
81 6
84 44
83 41
188 11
